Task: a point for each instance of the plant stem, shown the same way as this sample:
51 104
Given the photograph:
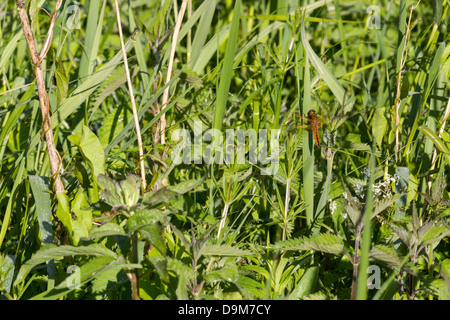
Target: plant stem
134 276
133 102
54 157
162 123
356 260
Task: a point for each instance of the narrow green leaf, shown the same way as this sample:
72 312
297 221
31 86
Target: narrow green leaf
227 68
40 187
323 71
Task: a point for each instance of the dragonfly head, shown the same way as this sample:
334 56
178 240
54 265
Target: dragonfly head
312 113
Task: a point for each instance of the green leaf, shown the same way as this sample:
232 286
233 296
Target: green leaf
91 149
160 196
40 187
225 250
63 211
227 68
62 82
105 230
328 243
385 254
153 234
50 252
228 273
185 186
145 217
109 193
434 235
323 71
129 190
306 284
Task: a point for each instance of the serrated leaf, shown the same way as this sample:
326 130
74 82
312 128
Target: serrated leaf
160 196
185 186
407 237
328 243
385 203
225 250
434 235
385 254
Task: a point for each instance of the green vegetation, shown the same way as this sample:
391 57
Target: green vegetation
108 188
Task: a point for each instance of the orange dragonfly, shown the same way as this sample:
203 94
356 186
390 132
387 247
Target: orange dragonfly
314 122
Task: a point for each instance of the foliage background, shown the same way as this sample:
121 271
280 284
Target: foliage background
369 197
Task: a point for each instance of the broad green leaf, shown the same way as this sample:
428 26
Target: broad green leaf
160 196
63 211
108 194
306 284
434 235
185 186
91 149
153 234
328 243
145 217
228 273
129 190
107 229
83 222
250 286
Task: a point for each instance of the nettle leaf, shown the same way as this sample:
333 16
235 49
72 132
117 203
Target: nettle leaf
406 236
225 250
160 196
434 235
385 203
186 186
385 254
328 243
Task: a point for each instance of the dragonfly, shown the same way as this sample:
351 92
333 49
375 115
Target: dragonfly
313 123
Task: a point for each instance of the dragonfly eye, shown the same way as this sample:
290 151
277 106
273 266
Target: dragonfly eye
311 112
